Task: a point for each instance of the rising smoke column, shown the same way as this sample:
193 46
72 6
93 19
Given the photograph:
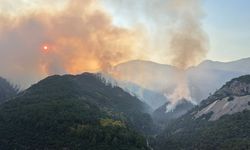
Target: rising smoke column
188 43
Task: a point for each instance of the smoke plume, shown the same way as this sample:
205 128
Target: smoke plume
188 42
176 35
174 28
79 37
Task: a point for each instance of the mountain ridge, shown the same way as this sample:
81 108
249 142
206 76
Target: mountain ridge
74 112
202 80
220 122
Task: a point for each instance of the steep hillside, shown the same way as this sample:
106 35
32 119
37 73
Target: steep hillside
6 90
153 98
222 122
74 112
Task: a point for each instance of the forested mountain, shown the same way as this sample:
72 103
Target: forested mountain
85 112
221 122
74 112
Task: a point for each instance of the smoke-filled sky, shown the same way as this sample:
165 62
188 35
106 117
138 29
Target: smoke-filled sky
227 24
43 37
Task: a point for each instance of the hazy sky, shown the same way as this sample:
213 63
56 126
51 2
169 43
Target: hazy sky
226 22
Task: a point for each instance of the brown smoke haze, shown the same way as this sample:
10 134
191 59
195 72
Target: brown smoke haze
78 38
188 42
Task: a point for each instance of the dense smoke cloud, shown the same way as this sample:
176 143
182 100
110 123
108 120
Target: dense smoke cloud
188 42
176 35
79 37
174 28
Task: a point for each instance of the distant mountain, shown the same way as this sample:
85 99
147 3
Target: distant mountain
209 76
151 80
7 91
203 79
221 122
147 74
74 112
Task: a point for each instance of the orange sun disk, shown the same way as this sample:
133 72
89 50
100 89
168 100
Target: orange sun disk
45 48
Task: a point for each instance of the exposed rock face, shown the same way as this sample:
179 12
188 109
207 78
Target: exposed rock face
226 106
236 87
219 122
233 97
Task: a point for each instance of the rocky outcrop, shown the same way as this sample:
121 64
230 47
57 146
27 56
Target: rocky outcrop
226 106
236 87
233 97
